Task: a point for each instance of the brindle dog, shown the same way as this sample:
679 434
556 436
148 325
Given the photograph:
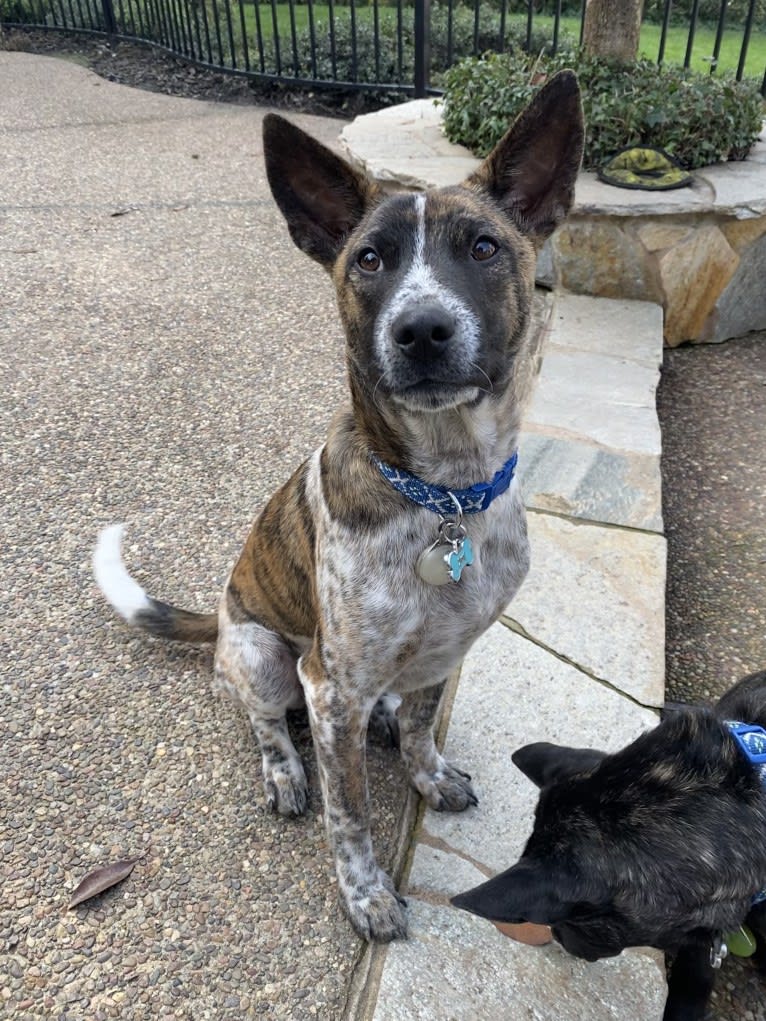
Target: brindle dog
327 602
662 844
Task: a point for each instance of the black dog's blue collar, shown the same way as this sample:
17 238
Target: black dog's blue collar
443 501
752 742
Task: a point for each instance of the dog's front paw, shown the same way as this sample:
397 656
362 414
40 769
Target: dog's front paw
377 912
286 787
446 790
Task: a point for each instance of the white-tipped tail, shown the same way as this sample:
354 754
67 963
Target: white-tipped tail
125 594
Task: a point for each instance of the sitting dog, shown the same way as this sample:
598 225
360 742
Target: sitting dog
391 549
662 844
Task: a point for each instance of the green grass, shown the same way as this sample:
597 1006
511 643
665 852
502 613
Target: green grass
704 42
675 47
675 44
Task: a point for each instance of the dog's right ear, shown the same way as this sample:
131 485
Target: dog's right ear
321 196
527 892
547 763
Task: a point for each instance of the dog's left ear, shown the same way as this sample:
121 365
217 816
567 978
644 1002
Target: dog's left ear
321 196
547 763
531 172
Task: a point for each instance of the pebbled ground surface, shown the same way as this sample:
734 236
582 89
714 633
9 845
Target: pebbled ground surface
712 406
167 358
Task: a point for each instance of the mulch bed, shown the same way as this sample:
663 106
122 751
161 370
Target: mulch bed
146 67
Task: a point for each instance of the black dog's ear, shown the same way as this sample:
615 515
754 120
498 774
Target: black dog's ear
524 893
547 763
321 196
532 170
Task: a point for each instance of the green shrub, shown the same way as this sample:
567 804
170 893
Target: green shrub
359 68
697 118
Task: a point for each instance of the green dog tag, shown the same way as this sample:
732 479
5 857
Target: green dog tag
741 943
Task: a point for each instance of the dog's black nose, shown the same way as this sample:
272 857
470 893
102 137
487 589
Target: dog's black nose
422 332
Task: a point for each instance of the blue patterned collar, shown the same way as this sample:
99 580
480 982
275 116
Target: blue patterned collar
442 501
752 742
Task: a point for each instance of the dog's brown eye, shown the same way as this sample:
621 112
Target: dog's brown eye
369 260
484 249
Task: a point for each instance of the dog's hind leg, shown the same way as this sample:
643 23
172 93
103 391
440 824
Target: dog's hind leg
384 723
444 787
257 667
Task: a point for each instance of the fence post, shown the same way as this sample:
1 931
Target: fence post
422 46
110 22
745 40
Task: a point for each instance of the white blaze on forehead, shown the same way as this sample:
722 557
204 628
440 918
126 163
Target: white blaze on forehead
421 286
420 235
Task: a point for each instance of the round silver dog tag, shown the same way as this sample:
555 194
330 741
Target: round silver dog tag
432 564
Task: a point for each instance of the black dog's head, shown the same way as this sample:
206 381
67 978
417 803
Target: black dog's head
656 845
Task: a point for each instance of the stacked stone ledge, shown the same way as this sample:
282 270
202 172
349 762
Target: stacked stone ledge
704 268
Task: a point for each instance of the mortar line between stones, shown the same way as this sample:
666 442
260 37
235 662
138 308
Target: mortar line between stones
439 844
513 625
572 348
591 522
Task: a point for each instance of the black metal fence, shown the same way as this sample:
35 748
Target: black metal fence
391 45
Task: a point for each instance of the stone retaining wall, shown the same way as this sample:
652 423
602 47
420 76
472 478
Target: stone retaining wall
708 272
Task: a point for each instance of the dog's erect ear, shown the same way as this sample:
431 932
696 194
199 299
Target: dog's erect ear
524 893
531 172
321 196
547 763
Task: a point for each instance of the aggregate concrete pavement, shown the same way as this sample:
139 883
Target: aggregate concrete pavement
713 411
712 403
168 357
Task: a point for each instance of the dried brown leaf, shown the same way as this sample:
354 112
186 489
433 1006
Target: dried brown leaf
102 879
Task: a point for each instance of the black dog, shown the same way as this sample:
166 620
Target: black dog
662 844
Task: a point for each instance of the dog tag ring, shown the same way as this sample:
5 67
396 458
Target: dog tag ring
718 951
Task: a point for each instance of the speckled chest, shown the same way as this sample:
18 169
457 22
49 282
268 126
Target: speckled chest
383 627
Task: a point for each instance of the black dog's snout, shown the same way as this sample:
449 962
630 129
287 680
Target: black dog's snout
423 332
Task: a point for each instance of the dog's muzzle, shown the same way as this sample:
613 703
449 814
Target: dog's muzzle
428 353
